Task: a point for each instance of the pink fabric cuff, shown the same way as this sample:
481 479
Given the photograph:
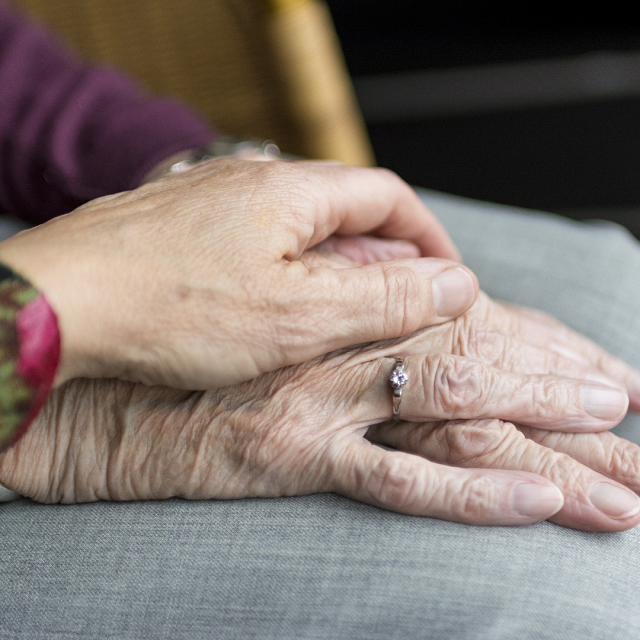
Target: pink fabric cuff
29 355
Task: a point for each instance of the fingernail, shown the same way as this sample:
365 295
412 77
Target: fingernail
453 292
536 500
614 502
604 403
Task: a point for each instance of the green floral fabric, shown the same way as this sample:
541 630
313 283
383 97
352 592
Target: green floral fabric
16 394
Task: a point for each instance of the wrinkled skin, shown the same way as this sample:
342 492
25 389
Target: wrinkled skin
310 428
194 280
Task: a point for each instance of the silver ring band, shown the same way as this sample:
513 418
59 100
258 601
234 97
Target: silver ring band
398 379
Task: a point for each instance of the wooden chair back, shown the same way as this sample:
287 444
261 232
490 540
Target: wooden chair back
266 69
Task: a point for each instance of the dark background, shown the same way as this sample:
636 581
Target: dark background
581 158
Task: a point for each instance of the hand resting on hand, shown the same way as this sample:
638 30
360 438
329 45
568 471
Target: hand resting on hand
194 281
499 426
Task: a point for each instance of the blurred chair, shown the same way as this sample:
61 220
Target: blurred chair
267 69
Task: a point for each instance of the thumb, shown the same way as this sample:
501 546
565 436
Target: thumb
389 299
409 484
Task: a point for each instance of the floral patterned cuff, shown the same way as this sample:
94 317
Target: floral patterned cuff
29 354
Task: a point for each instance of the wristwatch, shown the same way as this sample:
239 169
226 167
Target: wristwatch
225 146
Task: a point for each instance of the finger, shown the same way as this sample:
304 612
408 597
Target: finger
605 453
409 484
592 502
367 249
481 341
540 329
360 200
340 252
320 257
445 387
494 343
341 307
572 345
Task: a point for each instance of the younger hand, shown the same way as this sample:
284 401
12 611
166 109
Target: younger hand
194 281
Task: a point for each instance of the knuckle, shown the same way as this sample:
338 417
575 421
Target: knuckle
393 481
560 468
478 442
540 456
624 461
545 456
403 299
549 397
458 386
474 339
476 498
462 337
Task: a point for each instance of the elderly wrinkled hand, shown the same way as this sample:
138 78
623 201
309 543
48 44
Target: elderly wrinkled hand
311 428
594 471
194 281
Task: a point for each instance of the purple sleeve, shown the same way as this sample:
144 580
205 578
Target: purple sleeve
71 132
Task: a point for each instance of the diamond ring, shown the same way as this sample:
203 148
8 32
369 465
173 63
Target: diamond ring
398 379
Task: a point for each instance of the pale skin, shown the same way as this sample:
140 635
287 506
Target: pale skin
458 453
201 280
194 281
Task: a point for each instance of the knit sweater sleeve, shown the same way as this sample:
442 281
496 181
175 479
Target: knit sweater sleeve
71 132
